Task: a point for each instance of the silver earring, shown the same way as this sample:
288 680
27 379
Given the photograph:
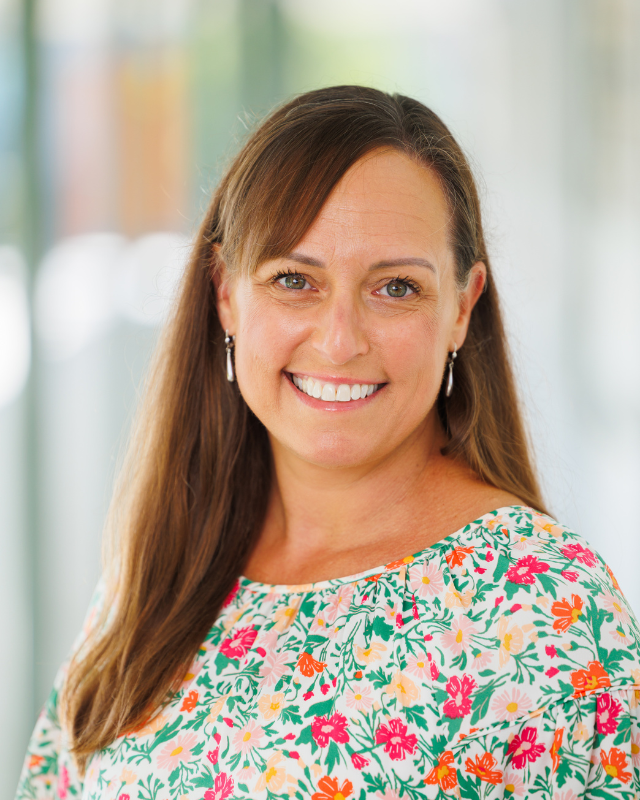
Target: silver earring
452 358
230 343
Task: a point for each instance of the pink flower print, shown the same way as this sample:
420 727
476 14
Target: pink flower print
568 794
176 751
397 742
231 596
607 711
238 645
511 704
63 783
340 602
414 607
274 667
212 755
482 660
419 665
459 637
435 672
580 553
223 788
513 784
551 672
426 579
525 570
551 651
523 748
615 606
359 761
570 575
334 727
635 749
360 698
459 704
247 737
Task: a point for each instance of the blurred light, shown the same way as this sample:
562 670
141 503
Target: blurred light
73 298
15 341
85 283
149 274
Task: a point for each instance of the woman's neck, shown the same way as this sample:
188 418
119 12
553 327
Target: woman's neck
329 522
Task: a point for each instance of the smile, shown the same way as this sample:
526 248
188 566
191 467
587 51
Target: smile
334 392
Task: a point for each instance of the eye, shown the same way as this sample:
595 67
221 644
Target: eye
293 281
399 287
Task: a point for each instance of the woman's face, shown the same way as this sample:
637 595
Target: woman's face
367 298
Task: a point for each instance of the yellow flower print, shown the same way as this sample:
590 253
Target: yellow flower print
216 708
231 620
511 640
456 599
581 732
127 776
153 726
271 705
405 690
285 616
273 777
370 654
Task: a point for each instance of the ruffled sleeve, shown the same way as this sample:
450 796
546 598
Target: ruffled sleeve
586 746
49 770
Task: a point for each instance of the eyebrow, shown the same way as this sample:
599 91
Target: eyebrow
413 261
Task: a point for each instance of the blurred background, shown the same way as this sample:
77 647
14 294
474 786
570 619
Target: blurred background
116 119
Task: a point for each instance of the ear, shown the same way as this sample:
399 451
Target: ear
467 299
223 282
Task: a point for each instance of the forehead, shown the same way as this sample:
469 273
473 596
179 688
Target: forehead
385 201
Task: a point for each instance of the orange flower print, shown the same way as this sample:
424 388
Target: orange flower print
615 583
35 761
444 773
457 556
189 702
308 665
567 613
554 751
483 767
614 763
401 562
329 789
589 680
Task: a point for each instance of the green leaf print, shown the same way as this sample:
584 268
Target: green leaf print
382 628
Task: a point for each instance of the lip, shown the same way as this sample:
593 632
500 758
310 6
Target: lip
328 405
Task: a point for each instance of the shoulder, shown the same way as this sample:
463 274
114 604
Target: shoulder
541 616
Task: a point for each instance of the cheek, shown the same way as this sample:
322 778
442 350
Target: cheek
266 338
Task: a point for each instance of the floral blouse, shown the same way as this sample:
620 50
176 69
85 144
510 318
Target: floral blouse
501 662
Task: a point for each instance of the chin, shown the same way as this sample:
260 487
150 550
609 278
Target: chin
334 450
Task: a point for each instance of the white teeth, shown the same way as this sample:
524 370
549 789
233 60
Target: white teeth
329 392
344 393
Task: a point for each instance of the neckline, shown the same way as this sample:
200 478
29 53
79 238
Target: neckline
285 588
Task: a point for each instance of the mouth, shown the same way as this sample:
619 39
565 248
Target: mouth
333 392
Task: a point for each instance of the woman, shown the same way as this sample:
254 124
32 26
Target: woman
333 398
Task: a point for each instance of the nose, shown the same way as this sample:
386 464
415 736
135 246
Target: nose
340 334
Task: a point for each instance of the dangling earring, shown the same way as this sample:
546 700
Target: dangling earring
230 343
452 358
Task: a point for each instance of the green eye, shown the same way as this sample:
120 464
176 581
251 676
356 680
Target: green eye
396 289
294 281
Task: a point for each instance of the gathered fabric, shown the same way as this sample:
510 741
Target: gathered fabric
501 662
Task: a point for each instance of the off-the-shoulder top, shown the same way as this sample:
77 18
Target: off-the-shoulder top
501 662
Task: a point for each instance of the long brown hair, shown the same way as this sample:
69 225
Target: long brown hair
193 493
